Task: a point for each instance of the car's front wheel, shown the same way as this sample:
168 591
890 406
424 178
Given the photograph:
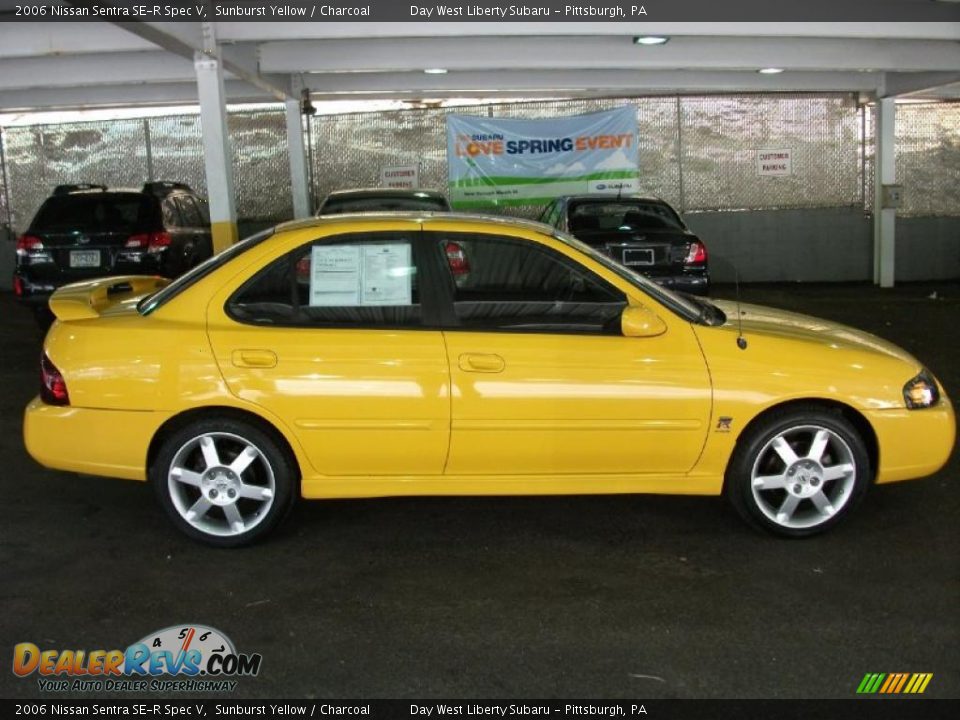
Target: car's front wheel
223 481
798 472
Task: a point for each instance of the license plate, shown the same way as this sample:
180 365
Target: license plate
638 257
84 258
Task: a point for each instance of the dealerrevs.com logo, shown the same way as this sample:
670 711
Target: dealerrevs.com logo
177 658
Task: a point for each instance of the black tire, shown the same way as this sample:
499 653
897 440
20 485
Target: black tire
815 495
269 467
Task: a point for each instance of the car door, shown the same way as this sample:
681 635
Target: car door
543 381
332 339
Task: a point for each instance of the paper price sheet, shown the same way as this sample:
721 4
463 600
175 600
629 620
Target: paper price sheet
361 275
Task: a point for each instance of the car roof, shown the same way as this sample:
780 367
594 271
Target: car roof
384 192
157 188
606 197
424 216
91 192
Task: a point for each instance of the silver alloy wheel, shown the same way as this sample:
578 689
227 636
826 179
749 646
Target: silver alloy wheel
221 484
803 476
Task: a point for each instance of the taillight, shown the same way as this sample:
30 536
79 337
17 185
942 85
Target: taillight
53 391
17 286
159 240
697 254
153 242
303 268
28 244
457 259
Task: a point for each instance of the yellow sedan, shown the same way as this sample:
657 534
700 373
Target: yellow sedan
418 354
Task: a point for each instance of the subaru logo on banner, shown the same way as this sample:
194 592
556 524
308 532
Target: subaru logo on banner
504 161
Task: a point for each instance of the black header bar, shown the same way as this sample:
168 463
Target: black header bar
497 11
188 708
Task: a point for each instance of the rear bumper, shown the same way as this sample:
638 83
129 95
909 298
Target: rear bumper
95 442
695 284
32 292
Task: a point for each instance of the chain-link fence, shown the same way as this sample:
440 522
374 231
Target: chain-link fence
928 158
127 153
697 152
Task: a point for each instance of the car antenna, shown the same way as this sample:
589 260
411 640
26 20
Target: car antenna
741 340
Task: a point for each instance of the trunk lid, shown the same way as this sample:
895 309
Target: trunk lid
79 254
643 250
83 234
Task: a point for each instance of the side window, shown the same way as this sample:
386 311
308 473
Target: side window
545 215
550 215
171 216
353 281
204 208
188 211
509 284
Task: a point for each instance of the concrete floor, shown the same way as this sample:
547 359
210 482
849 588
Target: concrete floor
600 597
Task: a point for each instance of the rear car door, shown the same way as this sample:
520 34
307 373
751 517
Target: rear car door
544 383
333 338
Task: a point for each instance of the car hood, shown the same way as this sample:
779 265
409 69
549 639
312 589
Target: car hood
774 323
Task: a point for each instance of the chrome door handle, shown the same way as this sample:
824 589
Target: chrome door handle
481 362
254 358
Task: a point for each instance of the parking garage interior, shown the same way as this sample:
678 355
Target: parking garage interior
607 596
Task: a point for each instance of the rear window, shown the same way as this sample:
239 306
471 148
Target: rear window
95 212
373 203
166 294
622 215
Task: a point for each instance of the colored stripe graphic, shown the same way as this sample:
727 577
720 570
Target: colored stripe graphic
894 683
871 683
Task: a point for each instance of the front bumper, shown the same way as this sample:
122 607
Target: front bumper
85 440
913 443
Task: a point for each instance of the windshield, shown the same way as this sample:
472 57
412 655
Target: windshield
164 295
95 213
373 203
680 304
622 215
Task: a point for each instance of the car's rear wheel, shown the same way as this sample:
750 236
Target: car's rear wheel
224 481
798 472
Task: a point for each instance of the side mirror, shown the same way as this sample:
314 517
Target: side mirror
637 321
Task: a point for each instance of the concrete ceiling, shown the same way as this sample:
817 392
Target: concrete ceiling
72 65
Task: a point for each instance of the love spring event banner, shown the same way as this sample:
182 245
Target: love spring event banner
505 161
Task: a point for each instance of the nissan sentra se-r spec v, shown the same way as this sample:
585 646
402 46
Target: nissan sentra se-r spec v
356 356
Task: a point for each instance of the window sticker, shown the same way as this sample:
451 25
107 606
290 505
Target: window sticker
361 275
335 280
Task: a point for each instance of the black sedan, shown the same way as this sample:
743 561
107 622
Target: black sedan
645 234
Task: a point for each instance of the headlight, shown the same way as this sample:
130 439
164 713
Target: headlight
921 391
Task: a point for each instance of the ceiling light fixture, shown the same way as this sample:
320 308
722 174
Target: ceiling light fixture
436 71
650 40
770 71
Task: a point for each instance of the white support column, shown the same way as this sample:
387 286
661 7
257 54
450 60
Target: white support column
298 160
885 173
217 153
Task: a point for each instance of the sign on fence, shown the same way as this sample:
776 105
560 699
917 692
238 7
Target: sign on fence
505 161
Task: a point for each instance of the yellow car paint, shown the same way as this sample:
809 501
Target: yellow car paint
370 412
